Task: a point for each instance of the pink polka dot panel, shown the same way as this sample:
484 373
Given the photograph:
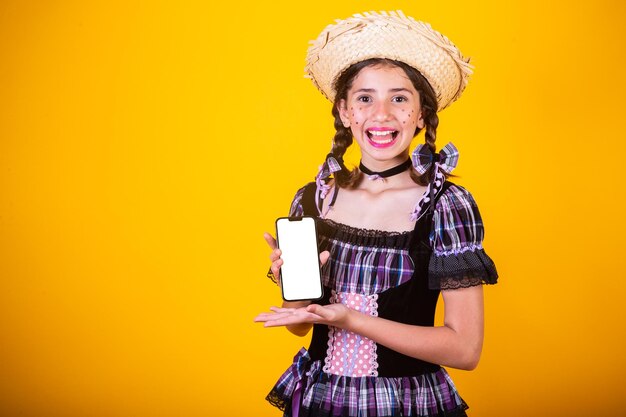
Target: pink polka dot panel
350 354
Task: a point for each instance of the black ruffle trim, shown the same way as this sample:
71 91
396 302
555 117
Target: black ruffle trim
277 401
363 237
463 270
457 412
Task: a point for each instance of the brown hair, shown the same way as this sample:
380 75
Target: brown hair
343 136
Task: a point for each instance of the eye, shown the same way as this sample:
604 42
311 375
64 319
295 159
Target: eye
364 99
399 99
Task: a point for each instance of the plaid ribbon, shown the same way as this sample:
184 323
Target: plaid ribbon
446 159
331 165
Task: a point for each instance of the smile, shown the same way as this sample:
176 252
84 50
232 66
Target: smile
381 138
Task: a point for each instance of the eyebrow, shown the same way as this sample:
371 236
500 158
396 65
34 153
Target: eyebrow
393 90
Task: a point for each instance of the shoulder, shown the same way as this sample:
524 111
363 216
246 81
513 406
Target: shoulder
301 191
302 199
454 197
457 224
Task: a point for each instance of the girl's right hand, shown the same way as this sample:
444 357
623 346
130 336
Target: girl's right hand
274 256
277 262
299 329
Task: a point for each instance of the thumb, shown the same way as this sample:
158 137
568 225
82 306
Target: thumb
319 310
324 257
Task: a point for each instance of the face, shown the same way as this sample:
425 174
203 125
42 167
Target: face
382 109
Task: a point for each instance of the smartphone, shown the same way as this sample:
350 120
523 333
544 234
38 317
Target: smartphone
300 276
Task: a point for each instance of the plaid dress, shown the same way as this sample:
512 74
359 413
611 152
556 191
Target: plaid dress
398 276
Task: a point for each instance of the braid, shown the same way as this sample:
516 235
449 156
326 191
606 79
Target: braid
343 136
431 120
341 142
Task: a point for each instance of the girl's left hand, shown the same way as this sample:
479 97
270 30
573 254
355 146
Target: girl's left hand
333 314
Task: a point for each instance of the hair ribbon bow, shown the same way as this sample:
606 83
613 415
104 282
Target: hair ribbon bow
332 164
446 159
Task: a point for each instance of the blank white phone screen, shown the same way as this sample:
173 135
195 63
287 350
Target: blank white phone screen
300 272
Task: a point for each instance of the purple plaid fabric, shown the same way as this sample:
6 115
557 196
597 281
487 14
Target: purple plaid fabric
364 262
329 167
296 208
457 225
423 158
323 394
378 261
456 237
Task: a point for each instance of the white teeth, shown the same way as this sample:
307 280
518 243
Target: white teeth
380 132
382 142
386 133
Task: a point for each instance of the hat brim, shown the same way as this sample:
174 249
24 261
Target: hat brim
392 36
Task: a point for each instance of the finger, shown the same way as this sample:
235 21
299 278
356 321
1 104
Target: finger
261 317
275 267
314 308
320 311
324 257
287 319
270 240
264 317
284 317
275 254
271 318
274 314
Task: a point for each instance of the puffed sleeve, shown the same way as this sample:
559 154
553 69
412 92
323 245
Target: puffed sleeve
458 259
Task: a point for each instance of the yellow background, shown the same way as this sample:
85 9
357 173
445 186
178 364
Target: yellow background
145 147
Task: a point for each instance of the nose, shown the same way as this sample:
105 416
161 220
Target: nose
381 111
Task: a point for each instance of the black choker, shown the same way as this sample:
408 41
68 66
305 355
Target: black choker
388 172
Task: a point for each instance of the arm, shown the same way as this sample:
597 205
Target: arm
457 344
456 239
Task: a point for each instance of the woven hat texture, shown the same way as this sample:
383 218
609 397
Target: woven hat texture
390 35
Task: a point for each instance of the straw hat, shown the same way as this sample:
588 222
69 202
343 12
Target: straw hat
390 35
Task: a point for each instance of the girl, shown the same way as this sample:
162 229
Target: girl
394 233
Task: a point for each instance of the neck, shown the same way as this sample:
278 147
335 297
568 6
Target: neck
388 172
